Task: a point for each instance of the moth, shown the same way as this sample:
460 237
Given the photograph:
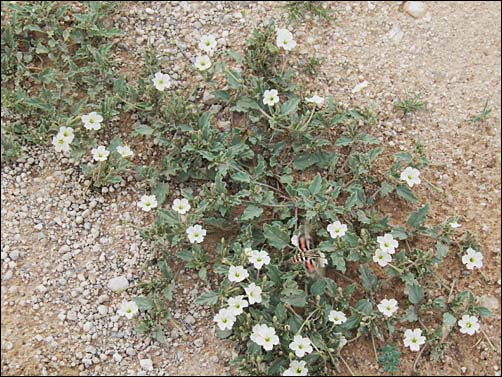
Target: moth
312 261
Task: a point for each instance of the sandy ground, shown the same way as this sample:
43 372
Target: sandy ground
452 58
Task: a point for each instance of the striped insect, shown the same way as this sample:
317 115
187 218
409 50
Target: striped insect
311 260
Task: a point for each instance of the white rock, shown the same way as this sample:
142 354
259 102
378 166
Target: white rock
118 284
7 275
72 316
102 309
146 364
395 34
149 11
415 9
41 288
117 357
360 87
490 302
14 254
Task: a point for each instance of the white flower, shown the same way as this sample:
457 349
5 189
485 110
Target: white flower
259 258
125 151
381 257
469 324
66 133
337 317
342 340
207 43
270 97
254 293
294 240
337 229
264 336
387 243
454 224
147 202
301 346
196 233
388 307
413 339
61 144
161 81
202 62
411 176
296 368
100 153
128 309
224 319
319 101
237 304
181 206
146 364
285 39
472 259
237 274
92 121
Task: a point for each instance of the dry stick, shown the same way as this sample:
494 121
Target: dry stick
494 349
347 365
374 347
450 295
418 357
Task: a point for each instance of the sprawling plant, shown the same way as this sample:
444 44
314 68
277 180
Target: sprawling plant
284 210
276 167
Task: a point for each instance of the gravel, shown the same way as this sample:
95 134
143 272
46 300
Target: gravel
70 257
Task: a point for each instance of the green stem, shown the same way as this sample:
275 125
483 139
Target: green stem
304 322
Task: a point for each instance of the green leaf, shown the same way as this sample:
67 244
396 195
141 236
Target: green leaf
185 255
417 218
289 106
343 141
158 335
318 287
251 212
160 191
241 177
275 236
415 293
368 278
449 320
405 193
208 298
222 95
399 233
364 306
410 315
143 130
274 273
338 261
295 300
304 160
144 303
169 216
483 312
315 186
246 103
203 273
236 56
368 139
441 252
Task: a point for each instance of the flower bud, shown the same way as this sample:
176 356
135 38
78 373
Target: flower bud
259 358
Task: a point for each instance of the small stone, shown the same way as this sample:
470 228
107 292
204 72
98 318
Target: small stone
395 34
102 309
90 349
360 87
118 283
7 275
149 11
189 319
199 342
41 288
14 254
117 357
416 9
146 364
72 315
131 351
